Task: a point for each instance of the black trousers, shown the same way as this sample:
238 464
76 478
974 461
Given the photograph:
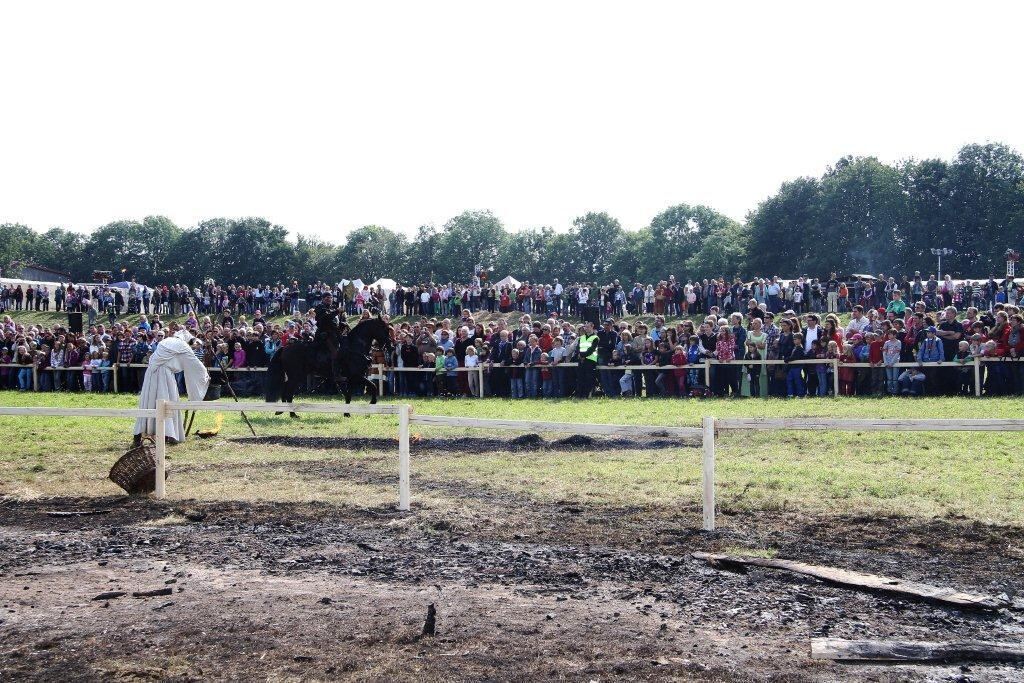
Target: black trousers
585 374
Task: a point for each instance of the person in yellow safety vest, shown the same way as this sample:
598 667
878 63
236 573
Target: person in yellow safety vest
587 361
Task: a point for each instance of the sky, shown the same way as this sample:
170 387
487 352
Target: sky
324 117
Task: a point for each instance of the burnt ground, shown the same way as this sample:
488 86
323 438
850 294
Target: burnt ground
523 591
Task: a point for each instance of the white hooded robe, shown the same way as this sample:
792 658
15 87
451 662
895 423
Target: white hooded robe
172 355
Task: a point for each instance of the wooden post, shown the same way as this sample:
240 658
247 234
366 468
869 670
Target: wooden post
835 378
35 377
480 374
709 473
707 374
380 379
116 370
977 376
161 447
403 456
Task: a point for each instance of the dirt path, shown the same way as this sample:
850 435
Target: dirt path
523 592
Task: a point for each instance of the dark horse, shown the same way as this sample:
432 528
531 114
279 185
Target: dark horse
290 364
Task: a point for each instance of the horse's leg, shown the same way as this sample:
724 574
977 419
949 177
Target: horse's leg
292 390
373 390
348 393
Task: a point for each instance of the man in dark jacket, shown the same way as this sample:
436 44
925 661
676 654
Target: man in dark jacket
607 338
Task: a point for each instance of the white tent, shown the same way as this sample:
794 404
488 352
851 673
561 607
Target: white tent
386 284
509 281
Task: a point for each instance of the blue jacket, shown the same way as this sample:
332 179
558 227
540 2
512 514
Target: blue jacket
930 351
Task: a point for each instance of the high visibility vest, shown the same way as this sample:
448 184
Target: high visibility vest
588 347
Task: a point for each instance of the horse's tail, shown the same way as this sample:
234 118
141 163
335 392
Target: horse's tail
275 377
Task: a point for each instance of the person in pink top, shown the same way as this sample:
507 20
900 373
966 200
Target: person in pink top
238 357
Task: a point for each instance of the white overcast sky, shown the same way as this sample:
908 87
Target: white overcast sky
326 116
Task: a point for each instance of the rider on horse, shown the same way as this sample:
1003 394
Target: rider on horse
330 326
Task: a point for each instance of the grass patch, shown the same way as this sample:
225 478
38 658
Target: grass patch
927 474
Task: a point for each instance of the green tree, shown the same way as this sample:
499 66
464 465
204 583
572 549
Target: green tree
988 200
522 257
861 219
780 229
678 232
595 238
140 249
472 238
420 256
17 246
313 259
372 252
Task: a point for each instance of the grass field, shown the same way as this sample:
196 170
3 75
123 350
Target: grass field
976 475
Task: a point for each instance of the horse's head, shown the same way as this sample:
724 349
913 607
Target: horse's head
374 329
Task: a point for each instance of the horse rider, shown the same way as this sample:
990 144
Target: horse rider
330 325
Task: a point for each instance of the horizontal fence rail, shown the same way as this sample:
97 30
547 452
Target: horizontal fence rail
45 411
862 425
382 370
566 427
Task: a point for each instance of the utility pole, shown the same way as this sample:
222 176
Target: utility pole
940 253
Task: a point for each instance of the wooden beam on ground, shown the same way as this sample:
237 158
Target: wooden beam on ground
870 582
567 427
910 651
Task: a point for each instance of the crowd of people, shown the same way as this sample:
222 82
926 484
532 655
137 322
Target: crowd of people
555 341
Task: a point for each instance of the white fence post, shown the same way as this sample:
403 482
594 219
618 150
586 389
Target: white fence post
480 378
977 376
835 378
161 448
403 456
709 473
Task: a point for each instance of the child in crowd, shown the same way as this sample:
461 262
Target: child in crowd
847 376
428 386
694 355
875 357
516 375
547 387
679 361
753 369
963 357
451 364
795 373
556 356
626 381
238 357
820 369
440 384
87 368
911 382
891 350
97 375
473 375
831 351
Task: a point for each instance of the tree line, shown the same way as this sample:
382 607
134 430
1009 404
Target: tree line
860 216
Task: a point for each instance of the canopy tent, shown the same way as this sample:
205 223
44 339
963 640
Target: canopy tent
386 284
508 281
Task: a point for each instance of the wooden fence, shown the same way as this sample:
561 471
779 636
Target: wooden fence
381 370
708 431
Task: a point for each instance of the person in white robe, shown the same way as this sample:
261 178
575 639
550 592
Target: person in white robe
172 355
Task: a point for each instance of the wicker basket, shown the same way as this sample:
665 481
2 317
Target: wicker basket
135 471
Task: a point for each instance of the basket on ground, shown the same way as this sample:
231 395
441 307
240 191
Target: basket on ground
135 471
